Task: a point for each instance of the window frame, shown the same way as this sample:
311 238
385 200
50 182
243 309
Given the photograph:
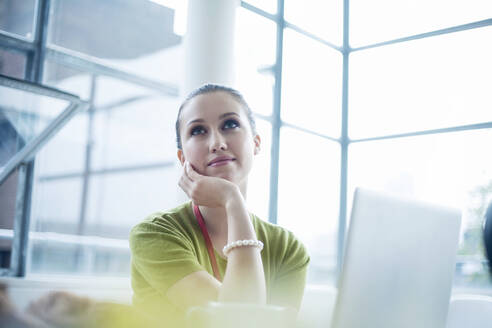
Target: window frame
344 139
37 50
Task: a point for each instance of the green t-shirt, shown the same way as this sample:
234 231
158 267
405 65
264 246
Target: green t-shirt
168 246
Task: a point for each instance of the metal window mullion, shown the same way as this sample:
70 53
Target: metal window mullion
312 36
34 70
38 89
344 143
308 131
88 159
267 118
28 152
119 104
453 29
469 127
112 170
292 26
276 123
258 11
40 39
96 66
21 220
28 74
83 258
14 43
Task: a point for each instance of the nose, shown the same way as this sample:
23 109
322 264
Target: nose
217 142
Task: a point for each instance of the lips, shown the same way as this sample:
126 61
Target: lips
221 160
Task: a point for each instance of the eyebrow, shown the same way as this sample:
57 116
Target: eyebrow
201 120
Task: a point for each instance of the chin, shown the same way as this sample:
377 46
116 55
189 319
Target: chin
224 176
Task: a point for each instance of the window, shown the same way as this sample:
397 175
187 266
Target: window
410 116
308 197
87 191
369 20
340 99
18 18
424 84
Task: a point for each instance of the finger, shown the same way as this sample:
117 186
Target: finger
192 173
185 184
186 171
185 180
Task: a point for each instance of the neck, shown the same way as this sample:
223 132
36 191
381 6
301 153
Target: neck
216 217
215 220
243 187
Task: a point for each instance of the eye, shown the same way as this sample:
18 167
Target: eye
230 124
197 130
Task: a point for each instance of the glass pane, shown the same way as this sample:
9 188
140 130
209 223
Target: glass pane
452 169
136 36
65 152
49 214
54 226
259 178
50 254
52 257
67 79
267 5
118 201
369 20
17 17
323 18
23 116
311 84
132 128
255 57
12 64
110 92
425 84
309 181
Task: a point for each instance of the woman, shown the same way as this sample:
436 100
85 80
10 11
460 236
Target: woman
212 248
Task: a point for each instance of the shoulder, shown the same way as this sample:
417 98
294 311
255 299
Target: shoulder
273 232
281 242
175 223
162 220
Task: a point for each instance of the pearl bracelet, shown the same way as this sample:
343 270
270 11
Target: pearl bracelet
240 243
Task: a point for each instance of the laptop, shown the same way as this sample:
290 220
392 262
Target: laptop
398 264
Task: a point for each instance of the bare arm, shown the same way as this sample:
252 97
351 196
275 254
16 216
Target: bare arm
244 279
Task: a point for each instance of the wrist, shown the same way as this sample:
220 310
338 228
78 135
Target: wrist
234 197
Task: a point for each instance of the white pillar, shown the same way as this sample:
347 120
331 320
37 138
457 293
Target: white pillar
209 43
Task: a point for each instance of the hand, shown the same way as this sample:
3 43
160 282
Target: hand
206 191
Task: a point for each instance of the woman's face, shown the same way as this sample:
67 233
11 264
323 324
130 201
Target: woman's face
217 138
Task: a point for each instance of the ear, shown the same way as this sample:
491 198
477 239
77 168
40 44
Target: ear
181 156
257 141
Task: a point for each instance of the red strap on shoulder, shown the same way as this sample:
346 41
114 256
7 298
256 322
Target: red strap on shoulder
208 242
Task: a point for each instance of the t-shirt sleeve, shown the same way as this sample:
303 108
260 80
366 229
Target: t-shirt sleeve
290 279
161 254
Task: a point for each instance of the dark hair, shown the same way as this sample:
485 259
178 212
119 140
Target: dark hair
487 235
209 88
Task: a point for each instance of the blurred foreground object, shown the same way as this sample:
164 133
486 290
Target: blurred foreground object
61 309
240 315
470 311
